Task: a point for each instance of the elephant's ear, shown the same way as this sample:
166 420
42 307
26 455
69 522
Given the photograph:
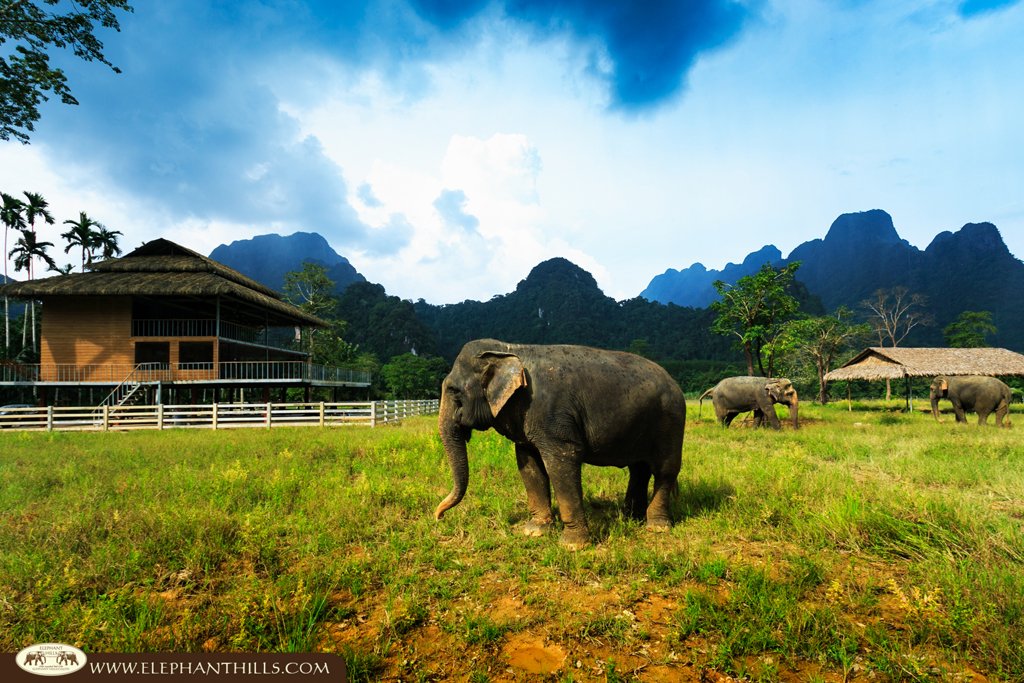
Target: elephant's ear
943 385
505 374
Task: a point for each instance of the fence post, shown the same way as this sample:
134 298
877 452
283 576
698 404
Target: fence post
270 412
106 417
373 414
322 413
159 415
49 418
213 416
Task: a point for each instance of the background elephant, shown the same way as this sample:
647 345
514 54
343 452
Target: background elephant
977 394
735 395
564 406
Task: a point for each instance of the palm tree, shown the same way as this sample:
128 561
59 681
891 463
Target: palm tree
26 250
107 242
12 215
82 234
36 207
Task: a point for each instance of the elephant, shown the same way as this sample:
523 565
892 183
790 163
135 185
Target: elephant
564 406
735 395
972 393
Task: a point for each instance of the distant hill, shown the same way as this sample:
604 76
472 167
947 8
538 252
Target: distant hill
970 269
268 258
694 286
559 302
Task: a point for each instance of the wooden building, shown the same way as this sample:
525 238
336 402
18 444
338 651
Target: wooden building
164 316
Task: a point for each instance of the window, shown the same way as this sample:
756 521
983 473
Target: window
192 353
153 352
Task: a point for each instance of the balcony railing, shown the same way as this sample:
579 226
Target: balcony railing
274 337
237 371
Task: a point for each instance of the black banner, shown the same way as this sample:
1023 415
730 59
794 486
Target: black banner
63 663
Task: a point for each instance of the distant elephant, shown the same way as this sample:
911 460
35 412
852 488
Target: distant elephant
735 395
564 406
972 394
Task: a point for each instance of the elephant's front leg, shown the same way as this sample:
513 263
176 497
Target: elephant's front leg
538 490
567 481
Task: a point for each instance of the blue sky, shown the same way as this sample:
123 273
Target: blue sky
445 147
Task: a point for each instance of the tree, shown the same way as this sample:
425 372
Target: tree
894 313
969 330
26 250
820 341
83 234
411 377
35 27
311 289
754 309
12 214
107 242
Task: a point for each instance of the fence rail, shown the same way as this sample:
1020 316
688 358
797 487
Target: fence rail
213 416
231 371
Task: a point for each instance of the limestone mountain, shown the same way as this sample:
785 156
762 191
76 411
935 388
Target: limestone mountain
694 286
970 269
267 258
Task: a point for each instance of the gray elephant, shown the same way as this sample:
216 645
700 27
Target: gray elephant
735 395
973 393
564 406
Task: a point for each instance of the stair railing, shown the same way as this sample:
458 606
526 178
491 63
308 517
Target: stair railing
123 391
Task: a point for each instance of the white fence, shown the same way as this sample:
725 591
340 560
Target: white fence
214 416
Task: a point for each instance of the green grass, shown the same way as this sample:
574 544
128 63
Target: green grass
868 544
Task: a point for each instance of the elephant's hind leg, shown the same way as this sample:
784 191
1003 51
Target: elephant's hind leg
666 483
636 491
1001 412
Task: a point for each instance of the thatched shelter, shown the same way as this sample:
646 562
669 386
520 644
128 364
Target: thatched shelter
888 363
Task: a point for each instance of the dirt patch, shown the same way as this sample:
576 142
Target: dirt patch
531 654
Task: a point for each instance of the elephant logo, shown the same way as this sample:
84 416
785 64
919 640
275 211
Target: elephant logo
50 659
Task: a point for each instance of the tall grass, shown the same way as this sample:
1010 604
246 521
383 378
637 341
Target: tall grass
867 544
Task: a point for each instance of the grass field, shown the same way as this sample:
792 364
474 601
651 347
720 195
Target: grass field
868 545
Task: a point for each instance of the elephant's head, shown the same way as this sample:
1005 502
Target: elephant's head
782 391
481 382
939 389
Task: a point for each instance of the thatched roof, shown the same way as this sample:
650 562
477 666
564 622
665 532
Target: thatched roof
163 268
878 363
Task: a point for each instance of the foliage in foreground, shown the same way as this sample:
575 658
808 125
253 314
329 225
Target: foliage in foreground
866 545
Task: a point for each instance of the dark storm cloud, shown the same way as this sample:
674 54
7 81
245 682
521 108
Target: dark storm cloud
188 125
450 205
651 45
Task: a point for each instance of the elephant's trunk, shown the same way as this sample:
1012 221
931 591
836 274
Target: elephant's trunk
935 407
794 411
453 436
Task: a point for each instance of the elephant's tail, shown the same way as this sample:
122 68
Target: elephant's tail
700 402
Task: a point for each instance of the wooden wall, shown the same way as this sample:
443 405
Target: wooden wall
86 331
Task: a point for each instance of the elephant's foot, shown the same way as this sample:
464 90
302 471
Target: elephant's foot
536 529
659 524
575 539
